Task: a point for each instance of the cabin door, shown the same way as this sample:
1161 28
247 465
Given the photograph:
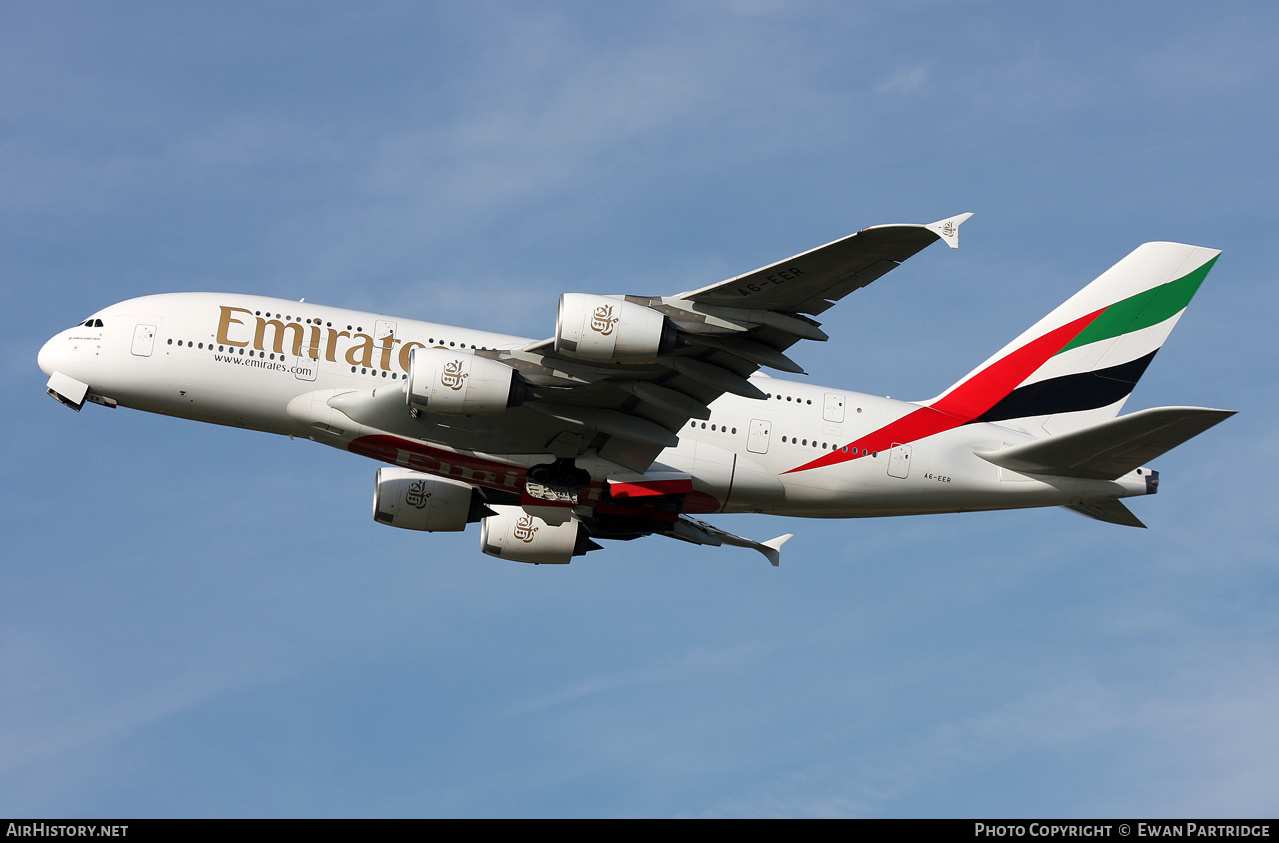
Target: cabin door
899 461
757 439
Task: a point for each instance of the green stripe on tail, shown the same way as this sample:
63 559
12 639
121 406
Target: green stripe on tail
1142 310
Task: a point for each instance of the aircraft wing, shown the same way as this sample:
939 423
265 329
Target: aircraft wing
624 374
813 281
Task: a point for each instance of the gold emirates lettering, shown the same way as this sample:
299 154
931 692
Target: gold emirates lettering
417 494
453 377
524 529
310 340
603 321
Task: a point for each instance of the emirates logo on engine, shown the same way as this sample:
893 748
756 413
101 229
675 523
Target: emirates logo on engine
524 529
453 377
417 494
603 321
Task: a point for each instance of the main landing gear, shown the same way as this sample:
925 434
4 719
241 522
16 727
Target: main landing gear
562 477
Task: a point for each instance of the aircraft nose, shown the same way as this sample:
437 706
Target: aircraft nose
47 356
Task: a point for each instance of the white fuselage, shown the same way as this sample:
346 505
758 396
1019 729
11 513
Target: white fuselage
269 364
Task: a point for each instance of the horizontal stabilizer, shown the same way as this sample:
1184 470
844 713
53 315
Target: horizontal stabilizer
1111 449
1111 511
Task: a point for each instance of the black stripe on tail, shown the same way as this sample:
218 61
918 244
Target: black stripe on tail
1070 393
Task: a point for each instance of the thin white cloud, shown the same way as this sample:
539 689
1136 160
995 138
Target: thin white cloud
905 82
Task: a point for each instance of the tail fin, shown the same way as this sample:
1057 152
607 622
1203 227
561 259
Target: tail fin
1078 365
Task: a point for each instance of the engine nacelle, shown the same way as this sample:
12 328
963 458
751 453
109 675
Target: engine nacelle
514 534
415 501
458 382
606 330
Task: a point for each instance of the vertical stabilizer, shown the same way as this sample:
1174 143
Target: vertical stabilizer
1078 365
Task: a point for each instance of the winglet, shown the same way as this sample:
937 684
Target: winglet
773 548
948 229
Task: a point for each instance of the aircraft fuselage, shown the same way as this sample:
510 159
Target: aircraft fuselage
270 365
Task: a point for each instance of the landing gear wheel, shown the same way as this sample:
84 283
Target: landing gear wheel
543 475
562 477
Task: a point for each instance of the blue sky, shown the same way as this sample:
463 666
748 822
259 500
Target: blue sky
197 621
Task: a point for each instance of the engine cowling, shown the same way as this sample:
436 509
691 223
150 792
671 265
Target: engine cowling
513 534
458 382
608 330
411 500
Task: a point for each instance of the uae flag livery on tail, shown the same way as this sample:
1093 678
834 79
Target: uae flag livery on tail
1072 369
1089 353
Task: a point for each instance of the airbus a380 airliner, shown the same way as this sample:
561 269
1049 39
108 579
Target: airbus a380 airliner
643 412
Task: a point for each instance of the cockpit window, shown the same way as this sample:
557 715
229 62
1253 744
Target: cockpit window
92 323
97 323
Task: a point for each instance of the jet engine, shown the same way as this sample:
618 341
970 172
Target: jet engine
415 501
444 380
608 330
515 535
